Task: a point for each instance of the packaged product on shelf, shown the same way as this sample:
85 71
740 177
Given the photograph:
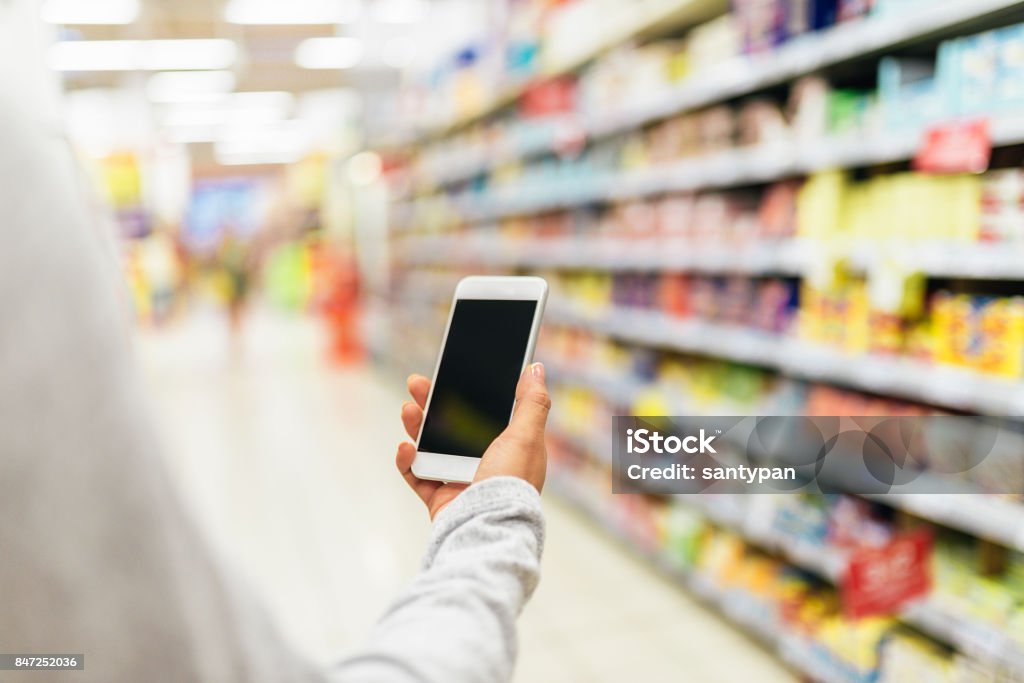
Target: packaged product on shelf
762 23
713 43
674 297
1002 206
681 535
675 214
982 333
908 93
1010 68
761 122
777 212
849 10
968 68
808 108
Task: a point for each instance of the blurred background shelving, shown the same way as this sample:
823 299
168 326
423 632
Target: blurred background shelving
741 212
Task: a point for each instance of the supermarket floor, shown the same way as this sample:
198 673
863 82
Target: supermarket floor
288 463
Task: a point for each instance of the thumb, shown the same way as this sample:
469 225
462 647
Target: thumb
532 403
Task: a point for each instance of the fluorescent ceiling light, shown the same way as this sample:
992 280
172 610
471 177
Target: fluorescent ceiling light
292 12
281 143
90 11
192 134
329 53
400 11
398 52
189 86
143 55
237 109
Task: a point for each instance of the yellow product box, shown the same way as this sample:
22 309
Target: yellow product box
855 325
952 323
820 204
1001 330
965 210
809 317
886 333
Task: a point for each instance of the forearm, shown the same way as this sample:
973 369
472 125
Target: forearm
456 622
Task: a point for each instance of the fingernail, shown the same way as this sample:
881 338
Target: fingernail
537 370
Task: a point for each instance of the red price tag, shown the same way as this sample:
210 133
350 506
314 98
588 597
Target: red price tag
956 147
882 580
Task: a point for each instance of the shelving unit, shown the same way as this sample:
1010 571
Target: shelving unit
787 646
477 245
964 634
783 257
949 387
734 168
643 21
806 55
990 518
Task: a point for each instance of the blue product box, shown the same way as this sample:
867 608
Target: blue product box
908 93
976 65
1009 89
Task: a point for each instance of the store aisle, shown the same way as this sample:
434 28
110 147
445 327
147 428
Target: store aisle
288 463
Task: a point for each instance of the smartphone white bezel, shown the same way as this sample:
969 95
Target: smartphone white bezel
459 468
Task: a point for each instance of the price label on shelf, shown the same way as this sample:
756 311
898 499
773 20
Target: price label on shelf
883 580
956 147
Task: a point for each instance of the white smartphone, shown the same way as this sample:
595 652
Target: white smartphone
491 333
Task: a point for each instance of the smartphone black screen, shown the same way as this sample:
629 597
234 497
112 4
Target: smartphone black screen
476 383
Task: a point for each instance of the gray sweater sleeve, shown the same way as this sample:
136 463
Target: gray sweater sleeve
456 622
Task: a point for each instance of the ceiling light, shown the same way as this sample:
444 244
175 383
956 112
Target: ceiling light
400 11
329 53
90 11
293 12
281 143
189 86
398 52
192 134
144 55
237 109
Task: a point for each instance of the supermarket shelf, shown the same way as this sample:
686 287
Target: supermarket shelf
652 19
732 168
986 517
622 254
977 514
783 257
805 55
914 380
950 387
789 647
635 22
967 635
746 74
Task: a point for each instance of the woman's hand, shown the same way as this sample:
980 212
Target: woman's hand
517 452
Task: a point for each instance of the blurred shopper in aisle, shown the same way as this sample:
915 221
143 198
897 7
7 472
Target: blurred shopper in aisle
101 558
235 262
